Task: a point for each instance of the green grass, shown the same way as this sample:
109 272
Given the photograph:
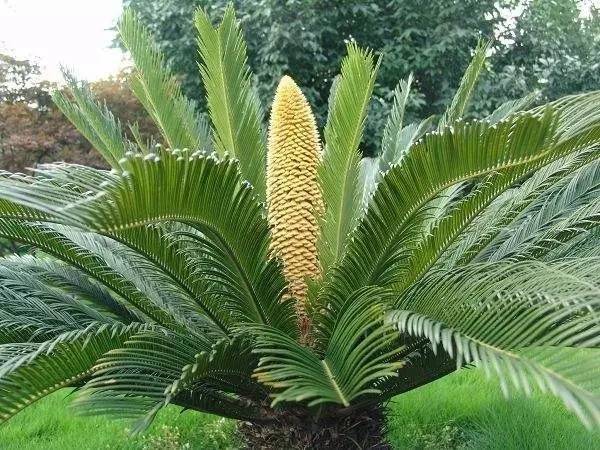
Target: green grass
462 411
467 411
50 425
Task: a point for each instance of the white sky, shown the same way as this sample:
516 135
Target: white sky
74 33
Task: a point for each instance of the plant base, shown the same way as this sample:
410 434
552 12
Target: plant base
364 429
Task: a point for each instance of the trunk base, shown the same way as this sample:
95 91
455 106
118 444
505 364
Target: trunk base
295 430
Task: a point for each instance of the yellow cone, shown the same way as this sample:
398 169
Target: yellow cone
293 195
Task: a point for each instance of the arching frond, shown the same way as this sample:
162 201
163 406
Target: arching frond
56 244
193 189
511 107
391 143
129 381
461 153
521 321
32 371
358 356
507 207
578 113
152 257
339 170
460 102
155 368
159 92
72 280
567 208
94 121
585 245
234 107
28 291
372 170
151 264
228 366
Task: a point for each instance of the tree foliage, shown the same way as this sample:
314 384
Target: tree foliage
551 49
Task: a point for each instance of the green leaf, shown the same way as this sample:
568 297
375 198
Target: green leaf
460 102
129 381
511 107
391 148
56 244
158 90
359 355
233 105
339 171
36 370
394 220
94 121
155 368
568 208
521 321
373 169
192 189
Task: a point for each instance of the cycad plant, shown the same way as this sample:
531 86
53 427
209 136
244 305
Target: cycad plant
277 278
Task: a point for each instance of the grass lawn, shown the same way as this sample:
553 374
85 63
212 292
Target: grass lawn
462 411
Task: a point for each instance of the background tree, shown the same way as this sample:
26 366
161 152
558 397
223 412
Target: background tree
552 48
307 40
20 82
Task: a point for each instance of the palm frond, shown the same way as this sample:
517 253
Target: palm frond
155 368
154 264
233 104
159 92
129 381
569 207
426 251
578 113
372 170
32 371
192 189
511 206
94 121
56 244
391 143
585 245
521 321
228 366
27 291
463 152
358 355
460 102
339 171
511 107
151 260
74 281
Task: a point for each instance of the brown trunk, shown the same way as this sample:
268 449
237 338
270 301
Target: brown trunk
364 429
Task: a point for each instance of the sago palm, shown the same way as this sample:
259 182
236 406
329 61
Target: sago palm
277 278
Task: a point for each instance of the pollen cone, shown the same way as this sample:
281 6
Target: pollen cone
293 195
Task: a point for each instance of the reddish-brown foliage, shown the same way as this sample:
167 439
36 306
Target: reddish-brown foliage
30 135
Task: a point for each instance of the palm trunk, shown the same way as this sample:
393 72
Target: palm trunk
297 430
